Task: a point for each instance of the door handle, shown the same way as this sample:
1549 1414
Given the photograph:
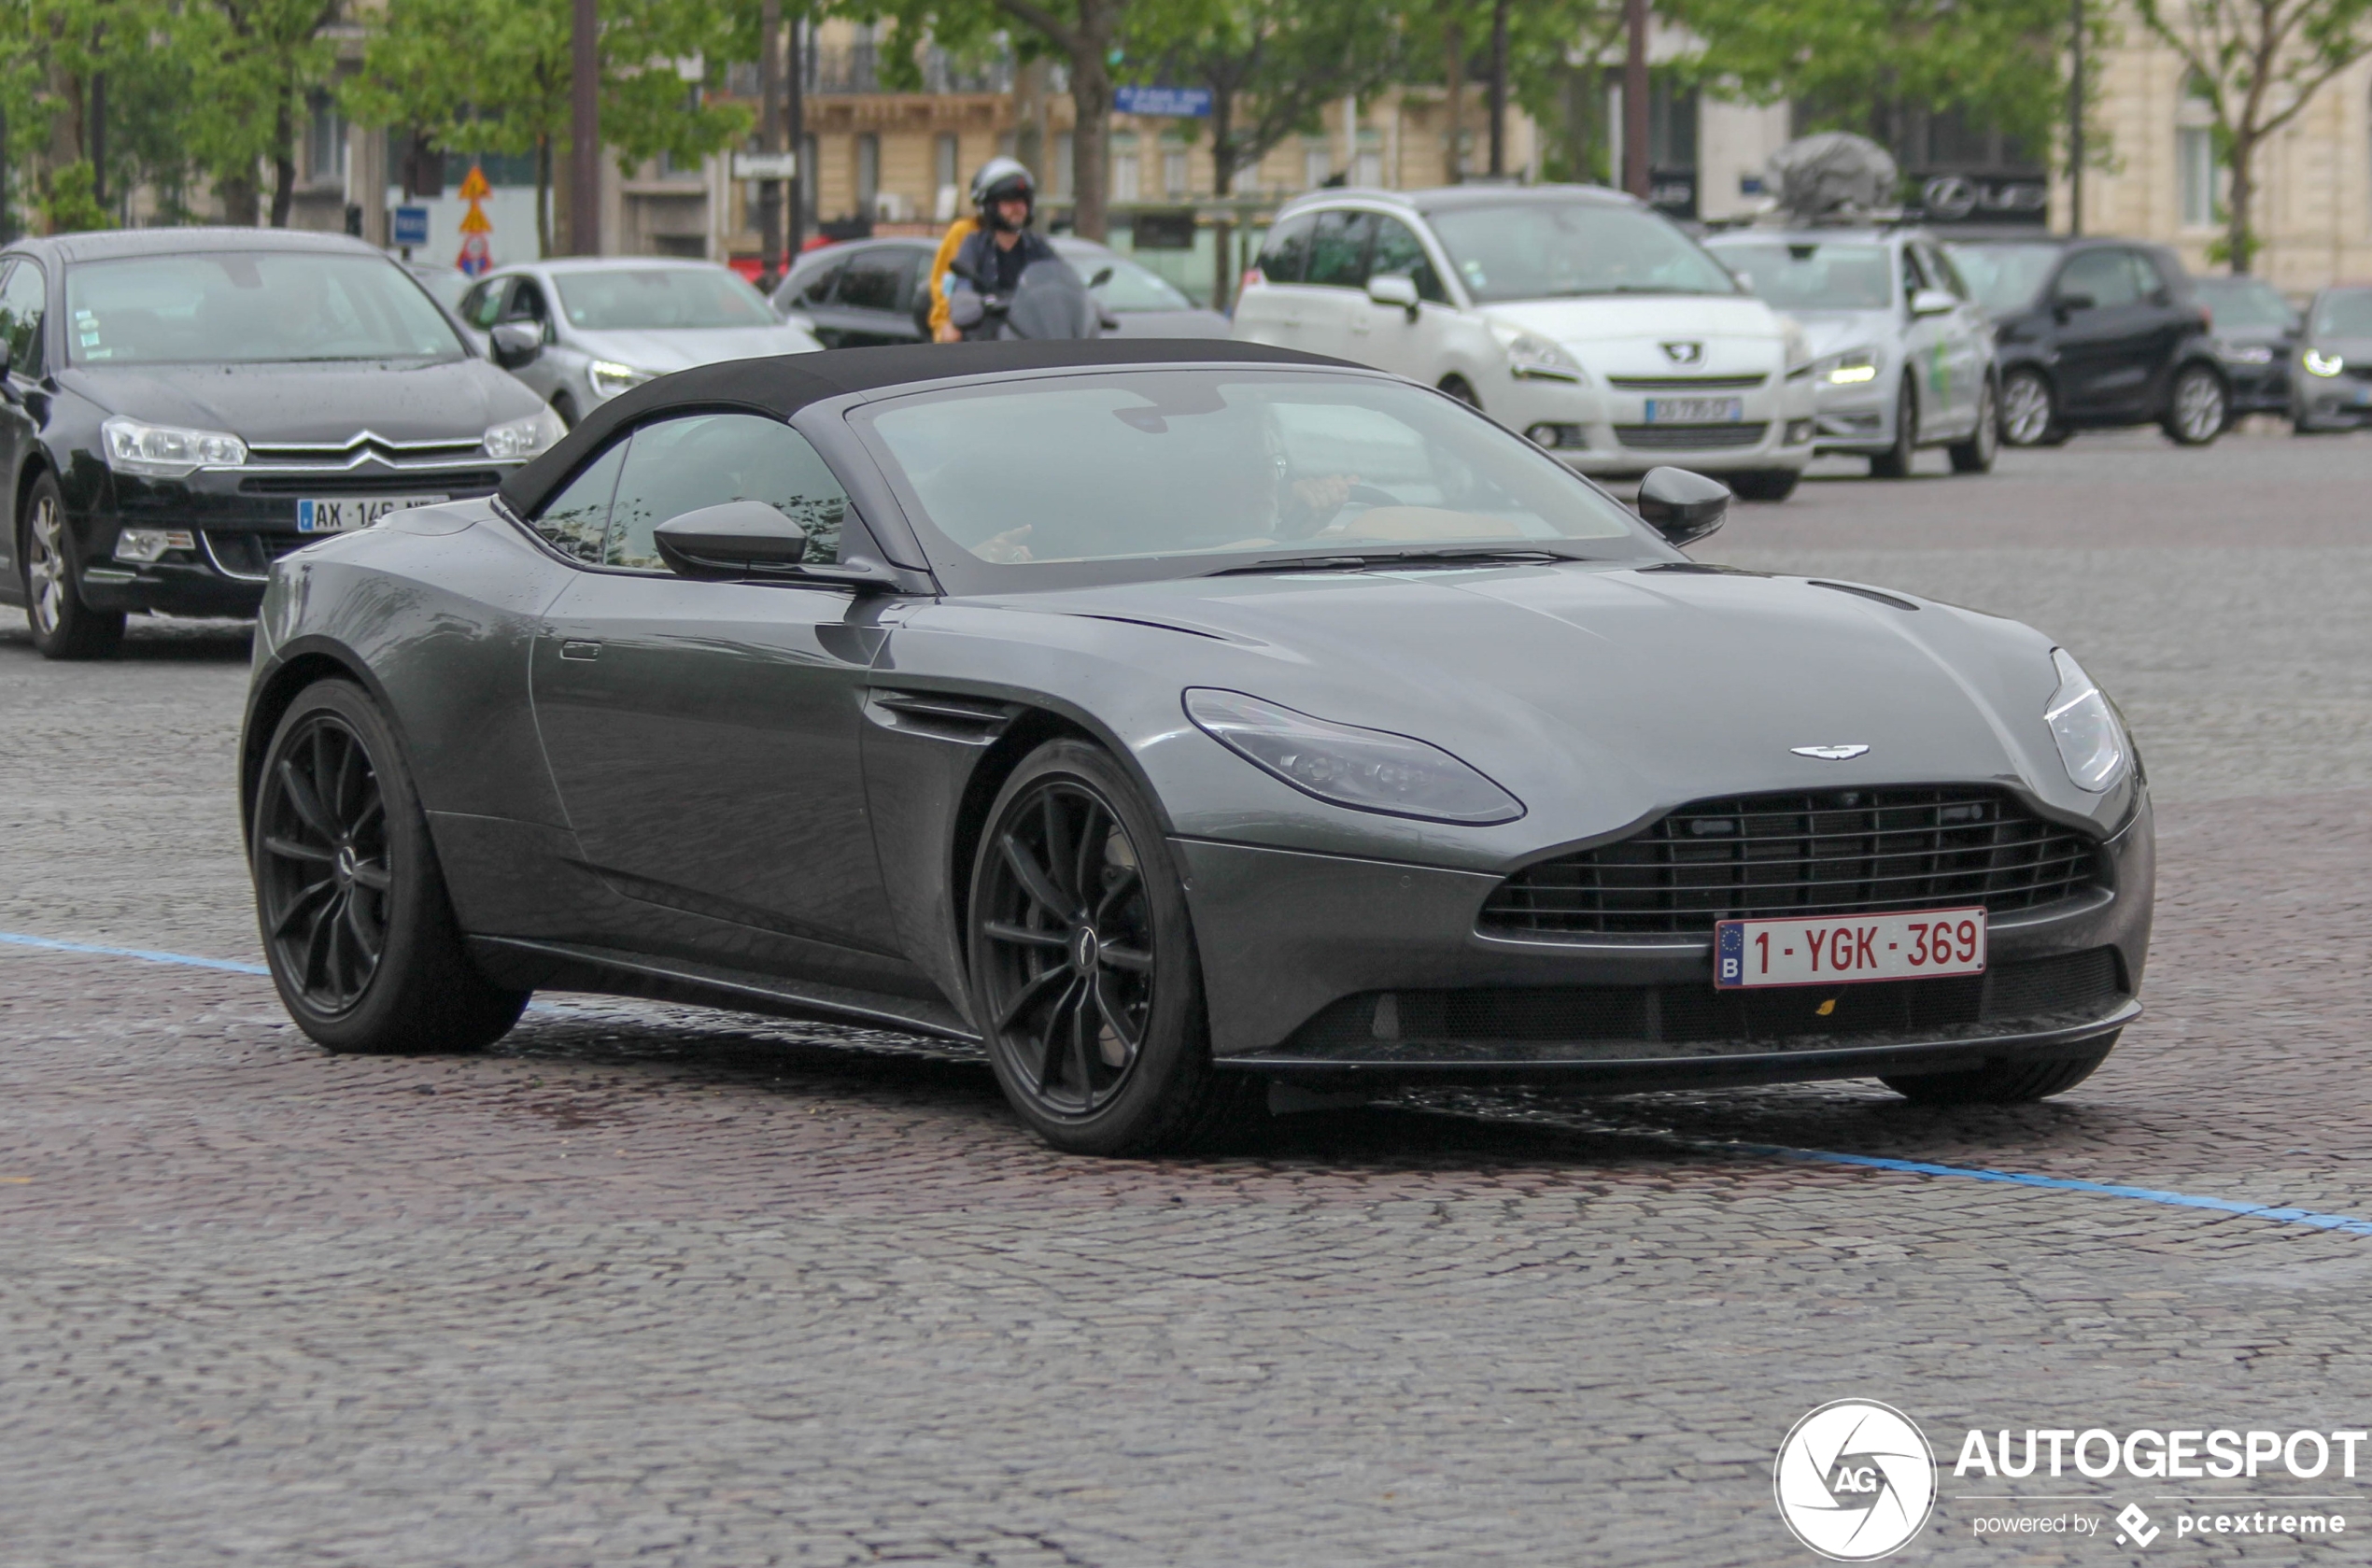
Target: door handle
580 648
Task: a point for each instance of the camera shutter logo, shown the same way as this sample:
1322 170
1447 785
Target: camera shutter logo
1854 1480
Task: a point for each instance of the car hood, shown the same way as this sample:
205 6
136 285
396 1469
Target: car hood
1829 330
661 350
1169 323
2354 350
1648 318
299 404
1601 698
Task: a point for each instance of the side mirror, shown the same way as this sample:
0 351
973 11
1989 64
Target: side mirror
1103 276
2066 306
750 539
966 309
515 344
1680 505
1934 301
1395 289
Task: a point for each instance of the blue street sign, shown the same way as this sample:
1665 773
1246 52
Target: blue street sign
411 225
1174 102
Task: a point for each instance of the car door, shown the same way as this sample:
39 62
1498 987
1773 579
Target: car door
1924 355
2173 315
23 298
1335 305
1415 345
703 735
870 307
1967 336
1270 309
526 305
810 294
2104 334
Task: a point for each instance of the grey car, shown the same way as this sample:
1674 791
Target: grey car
1902 353
1136 301
1288 722
612 322
2331 382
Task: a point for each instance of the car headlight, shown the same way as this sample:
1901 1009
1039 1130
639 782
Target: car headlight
2319 363
1367 769
1534 358
521 439
610 378
2092 742
2247 353
1850 369
151 543
166 451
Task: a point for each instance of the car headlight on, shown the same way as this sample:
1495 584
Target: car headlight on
1534 358
1852 368
1367 769
166 451
2247 353
610 378
2319 364
2092 742
521 439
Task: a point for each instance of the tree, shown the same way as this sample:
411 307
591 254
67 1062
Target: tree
257 62
2257 63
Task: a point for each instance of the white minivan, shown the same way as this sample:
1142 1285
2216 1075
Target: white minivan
1576 316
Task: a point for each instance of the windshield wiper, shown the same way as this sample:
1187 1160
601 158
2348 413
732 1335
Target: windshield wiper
1387 559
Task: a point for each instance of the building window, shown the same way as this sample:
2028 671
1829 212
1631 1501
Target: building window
1671 125
1368 168
1317 162
1127 173
325 143
869 172
1058 179
946 160
2198 179
1174 167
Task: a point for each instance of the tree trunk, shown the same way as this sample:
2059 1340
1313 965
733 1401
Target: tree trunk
283 164
543 196
1092 115
2236 235
241 206
1453 34
1222 184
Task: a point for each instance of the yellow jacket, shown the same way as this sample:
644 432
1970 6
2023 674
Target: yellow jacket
957 233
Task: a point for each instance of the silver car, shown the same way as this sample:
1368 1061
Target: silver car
1902 354
611 322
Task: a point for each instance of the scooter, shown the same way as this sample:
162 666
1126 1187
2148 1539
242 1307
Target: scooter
1050 302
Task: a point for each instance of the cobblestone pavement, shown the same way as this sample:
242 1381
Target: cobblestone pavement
650 1285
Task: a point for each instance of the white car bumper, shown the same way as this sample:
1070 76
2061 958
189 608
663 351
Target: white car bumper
1604 429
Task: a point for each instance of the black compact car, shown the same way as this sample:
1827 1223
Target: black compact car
181 407
2094 333
863 294
2332 380
2257 338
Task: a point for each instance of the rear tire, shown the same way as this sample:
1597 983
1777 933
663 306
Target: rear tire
2198 406
356 922
1084 969
2029 410
1976 454
2002 1082
64 628
1764 484
1896 460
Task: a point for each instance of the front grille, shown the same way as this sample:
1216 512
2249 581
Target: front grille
1835 851
250 555
1512 1022
1687 438
1685 383
456 483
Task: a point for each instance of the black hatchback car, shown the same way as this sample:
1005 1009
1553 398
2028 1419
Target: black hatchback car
2095 333
180 407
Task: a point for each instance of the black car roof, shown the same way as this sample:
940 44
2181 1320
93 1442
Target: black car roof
783 385
101 245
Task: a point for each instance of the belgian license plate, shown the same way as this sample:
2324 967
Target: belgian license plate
1695 411
1845 950
353 512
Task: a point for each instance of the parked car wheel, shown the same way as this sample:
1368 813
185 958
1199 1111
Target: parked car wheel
2002 1082
1763 484
2199 407
357 927
1084 966
62 625
2029 410
1976 454
1896 460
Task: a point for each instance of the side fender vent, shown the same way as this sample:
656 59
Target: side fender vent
942 715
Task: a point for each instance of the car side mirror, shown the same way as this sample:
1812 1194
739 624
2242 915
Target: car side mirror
515 344
1680 505
741 539
1934 301
966 309
1394 290
1103 276
2066 306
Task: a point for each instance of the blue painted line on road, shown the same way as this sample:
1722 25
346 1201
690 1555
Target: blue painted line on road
2346 1223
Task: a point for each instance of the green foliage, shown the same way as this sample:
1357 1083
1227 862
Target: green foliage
70 204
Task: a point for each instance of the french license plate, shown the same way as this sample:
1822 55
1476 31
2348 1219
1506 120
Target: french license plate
1845 950
353 512
1695 411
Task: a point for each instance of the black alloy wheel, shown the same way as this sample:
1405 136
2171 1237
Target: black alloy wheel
1976 454
1083 964
2030 413
357 928
2198 406
2004 1082
1896 460
62 625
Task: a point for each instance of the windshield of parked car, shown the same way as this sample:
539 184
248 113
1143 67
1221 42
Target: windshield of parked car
1540 250
2344 313
2243 302
1168 473
647 299
2005 276
1131 287
1824 276
249 306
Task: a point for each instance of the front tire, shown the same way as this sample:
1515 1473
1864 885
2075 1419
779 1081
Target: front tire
1458 386
2003 1082
1896 460
2030 411
1976 454
1764 484
1083 965
62 625
2197 407
356 925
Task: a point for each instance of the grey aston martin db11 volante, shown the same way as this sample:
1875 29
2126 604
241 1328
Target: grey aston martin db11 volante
1175 719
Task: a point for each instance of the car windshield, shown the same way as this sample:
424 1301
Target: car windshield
644 298
2243 302
2347 314
1539 250
1131 287
250 306
1168 472
2005 276
1815 276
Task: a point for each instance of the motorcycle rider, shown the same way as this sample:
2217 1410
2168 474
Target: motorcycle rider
991 259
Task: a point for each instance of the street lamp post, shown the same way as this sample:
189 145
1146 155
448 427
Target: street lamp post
1634 100
585 132
797 116
2075 118
769 139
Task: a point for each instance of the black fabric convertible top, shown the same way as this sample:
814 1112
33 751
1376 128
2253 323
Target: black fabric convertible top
784 385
